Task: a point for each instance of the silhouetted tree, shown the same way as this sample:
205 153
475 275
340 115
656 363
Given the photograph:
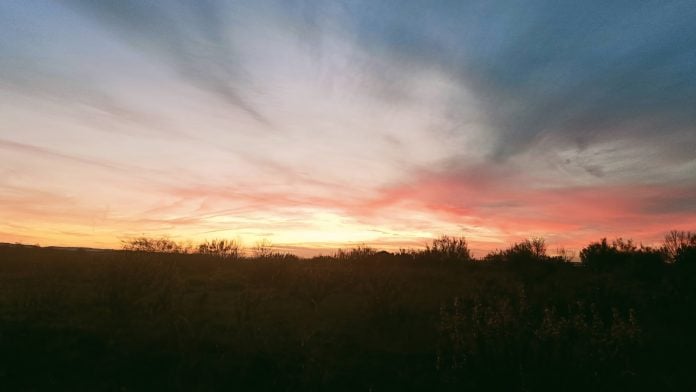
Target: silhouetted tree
623 255
226 249
159 245
359 252
599 255
675 243
538 246
449 248
521 252
686 256
564 255
263 249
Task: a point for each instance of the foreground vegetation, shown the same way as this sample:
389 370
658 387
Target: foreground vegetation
161 316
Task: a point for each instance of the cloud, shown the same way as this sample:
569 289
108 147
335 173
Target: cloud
580 72
43 152
191 36
511 206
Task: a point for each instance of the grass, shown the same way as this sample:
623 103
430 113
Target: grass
129 320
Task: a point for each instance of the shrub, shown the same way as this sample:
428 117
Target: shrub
564 255
622 255
157 245
686 256
522 252
482 338
677 243
263 249
226 249
600 255
359 252
449 248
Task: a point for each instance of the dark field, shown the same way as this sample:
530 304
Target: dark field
624 319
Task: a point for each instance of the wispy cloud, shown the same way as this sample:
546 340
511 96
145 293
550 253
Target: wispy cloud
191 36
360 120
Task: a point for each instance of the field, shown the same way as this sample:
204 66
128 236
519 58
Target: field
359 321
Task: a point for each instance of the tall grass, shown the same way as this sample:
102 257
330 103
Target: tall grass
214 317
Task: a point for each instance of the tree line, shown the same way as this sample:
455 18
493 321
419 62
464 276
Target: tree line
677 247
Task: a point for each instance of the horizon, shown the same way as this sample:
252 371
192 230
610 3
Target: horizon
325 125
249 250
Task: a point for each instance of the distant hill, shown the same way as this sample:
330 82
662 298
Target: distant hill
67 248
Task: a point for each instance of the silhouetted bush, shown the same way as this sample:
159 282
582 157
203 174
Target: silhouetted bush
602 256
359 252
494 336
448 248
563 255
686 257
263 249
677 242
158 245
527 251
225 249
624 256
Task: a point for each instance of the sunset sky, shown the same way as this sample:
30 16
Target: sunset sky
325 124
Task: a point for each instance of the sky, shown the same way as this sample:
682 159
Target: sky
324 124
